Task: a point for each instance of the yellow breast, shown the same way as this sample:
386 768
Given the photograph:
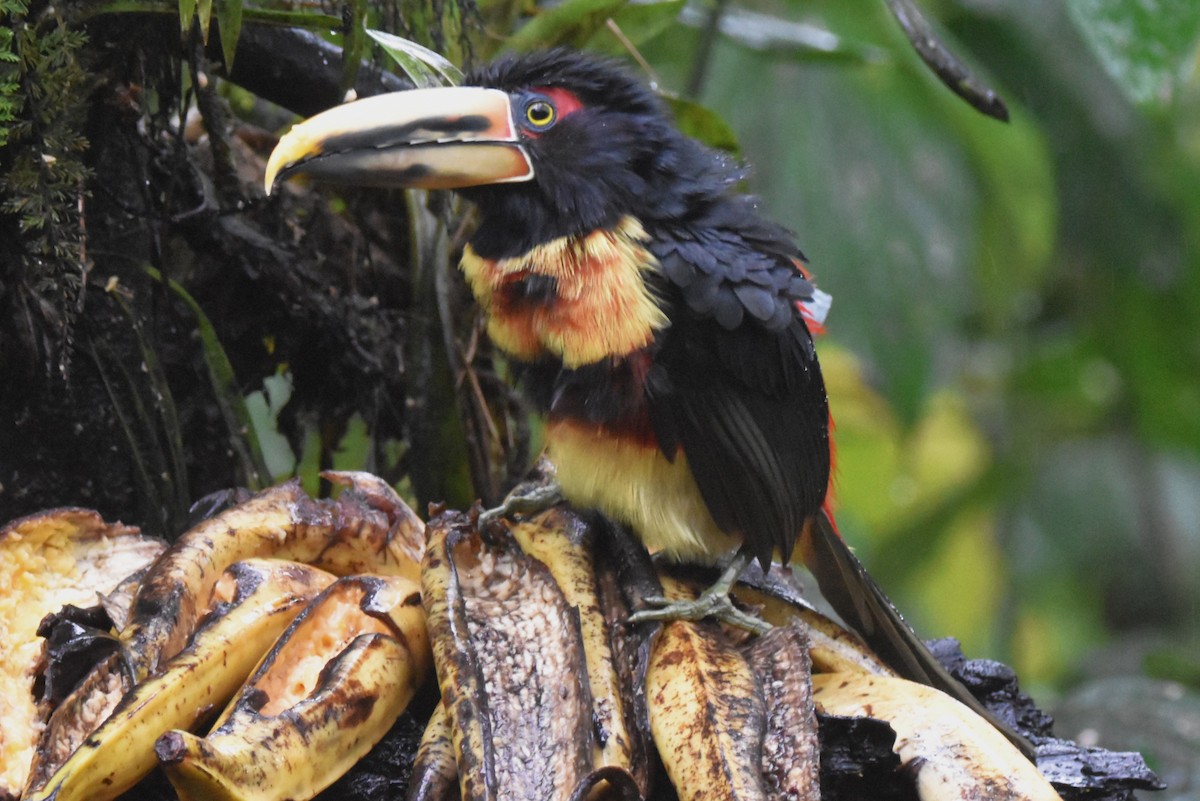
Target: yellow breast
599 306
631 481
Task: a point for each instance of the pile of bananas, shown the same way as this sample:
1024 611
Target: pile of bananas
295 632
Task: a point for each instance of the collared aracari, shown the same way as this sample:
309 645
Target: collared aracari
661 323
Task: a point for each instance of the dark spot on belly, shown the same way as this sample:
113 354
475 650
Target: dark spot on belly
531 289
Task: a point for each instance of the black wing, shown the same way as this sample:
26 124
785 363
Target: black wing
736 384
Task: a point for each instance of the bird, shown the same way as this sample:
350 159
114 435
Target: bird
660 321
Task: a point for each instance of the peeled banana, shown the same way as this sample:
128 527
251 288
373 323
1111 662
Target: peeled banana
326 693
255 601
367 529
954 753
733 723
49 560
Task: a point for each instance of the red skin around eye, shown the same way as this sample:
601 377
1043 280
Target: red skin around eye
564 100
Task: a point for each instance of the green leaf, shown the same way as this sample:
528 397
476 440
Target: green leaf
638 22
229 18
187 10
704 124
204 11
424 67
1147 46
571 23
354 44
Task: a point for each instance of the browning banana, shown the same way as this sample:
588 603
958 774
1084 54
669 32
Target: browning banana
325 694
954 753
832 647
563 543
256 599
510 663
49 560
435 773
740 711
368 529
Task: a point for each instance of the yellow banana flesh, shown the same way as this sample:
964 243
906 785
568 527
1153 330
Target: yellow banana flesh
368 529
955 753
257 600
326 693
435 773
48 560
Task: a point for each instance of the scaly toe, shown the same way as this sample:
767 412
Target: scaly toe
705 606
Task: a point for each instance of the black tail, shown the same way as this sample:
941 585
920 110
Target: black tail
862 605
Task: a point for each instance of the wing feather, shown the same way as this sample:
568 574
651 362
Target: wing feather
741 391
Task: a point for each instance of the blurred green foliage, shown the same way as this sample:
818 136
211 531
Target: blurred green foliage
1014 353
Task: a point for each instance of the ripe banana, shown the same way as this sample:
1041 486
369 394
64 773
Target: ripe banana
435 773
254 601
733 723
954 753
343 537
832 647
326 693
368 529
510 663
49 560
564 544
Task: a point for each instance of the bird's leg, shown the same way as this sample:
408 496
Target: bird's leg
528 497
713 602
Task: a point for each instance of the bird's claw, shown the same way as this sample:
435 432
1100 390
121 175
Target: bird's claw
528 498
709 604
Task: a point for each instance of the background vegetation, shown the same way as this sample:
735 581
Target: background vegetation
1014 356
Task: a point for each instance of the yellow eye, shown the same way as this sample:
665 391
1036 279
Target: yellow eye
540 114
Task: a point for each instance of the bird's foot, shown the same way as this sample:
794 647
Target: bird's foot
708 604
713 602
529 497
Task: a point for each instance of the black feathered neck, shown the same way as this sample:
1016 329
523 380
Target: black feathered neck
618 155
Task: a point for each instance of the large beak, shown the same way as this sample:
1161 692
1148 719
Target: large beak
423 138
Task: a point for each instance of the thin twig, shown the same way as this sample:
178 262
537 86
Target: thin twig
945 64
628 44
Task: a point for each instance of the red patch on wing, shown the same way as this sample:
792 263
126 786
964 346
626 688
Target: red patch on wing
564 100
815 326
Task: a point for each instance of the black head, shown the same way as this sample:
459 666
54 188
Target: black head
602 146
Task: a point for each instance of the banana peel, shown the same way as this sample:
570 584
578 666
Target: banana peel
564 544
255 601
734 723
325 694
832 647
953 752
435 770
367 529
47 561
527 661
357 533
